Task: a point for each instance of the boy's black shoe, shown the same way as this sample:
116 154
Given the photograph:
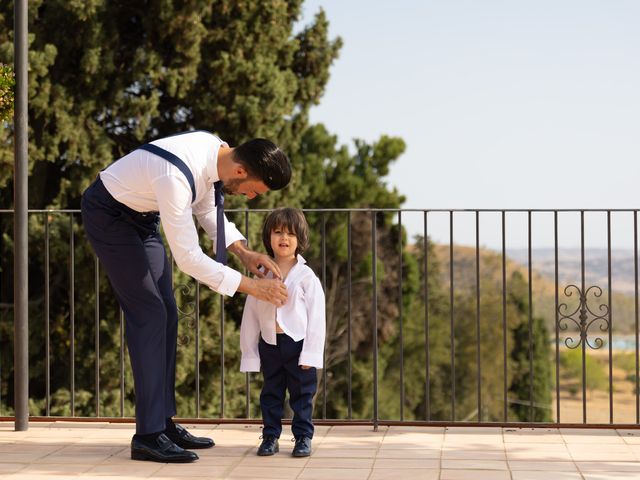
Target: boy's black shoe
159 449
302 447
269 446
181 437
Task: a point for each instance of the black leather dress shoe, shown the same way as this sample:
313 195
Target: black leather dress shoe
181 437
269 446
302 447
160 450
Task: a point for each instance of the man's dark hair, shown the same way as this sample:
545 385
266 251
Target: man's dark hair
264 161
290 219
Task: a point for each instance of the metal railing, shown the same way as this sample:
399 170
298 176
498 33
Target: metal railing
456 342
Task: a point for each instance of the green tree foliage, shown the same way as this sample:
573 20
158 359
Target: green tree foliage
595 374
107 76
7 85
530 353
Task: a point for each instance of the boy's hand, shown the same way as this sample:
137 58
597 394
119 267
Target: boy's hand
305 367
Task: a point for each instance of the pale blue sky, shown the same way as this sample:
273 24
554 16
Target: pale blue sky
503 104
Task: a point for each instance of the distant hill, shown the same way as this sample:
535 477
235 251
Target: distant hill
596 266
543 283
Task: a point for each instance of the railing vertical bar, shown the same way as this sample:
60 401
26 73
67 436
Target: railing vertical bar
197 353
427 393
72 314
247 378
557 326
222 356
349 365
530 290
324 288
1 256
637 330
401 319
610 302
47 320
478 364
374 311
584 347
97 332
21 219
504 318
121 363
451 321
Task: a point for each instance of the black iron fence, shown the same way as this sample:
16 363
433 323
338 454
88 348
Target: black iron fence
505 316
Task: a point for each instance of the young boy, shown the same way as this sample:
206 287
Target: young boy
287 341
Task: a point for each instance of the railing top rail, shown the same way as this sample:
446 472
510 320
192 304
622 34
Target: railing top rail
391 210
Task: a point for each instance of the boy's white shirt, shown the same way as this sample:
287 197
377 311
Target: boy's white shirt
302 317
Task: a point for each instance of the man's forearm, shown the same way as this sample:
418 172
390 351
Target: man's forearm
239 249
247 285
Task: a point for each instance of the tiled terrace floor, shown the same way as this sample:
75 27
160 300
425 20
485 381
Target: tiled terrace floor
90 450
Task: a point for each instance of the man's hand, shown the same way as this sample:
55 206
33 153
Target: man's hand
305 367
254 260
270 290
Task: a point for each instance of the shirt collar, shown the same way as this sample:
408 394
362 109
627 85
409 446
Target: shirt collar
299 261
212 164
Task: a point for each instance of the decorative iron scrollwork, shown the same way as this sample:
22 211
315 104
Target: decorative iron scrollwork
585 318
187 312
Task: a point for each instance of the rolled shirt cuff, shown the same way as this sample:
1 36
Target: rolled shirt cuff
230 282
310 359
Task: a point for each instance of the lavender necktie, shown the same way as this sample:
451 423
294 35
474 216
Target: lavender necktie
221 246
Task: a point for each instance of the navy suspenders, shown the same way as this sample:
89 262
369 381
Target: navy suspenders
221 249
174 160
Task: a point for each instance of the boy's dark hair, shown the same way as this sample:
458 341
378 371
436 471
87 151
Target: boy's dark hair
264 161
290 219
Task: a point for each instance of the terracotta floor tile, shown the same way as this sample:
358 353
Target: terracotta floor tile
6 468
462 454
404 474
407 463
256 472
57 468
335 473
548 475
138 469
518 465
408 453
340 463
278 460
474 465
474 475
32 476
609 466
184 471
591 435
343 453
24 457
610 476
428 431
473 431
70 459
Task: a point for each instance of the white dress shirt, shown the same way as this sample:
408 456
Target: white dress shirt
302 317
146 182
